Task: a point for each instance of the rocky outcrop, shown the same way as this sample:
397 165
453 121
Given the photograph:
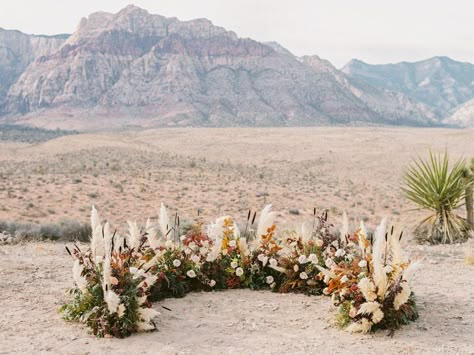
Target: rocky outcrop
440 82
463 115
18 50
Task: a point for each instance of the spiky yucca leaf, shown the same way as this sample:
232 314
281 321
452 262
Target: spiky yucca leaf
432 185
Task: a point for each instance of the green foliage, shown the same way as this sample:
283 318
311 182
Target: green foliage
433 186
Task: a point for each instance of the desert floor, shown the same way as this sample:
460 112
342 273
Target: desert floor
128 174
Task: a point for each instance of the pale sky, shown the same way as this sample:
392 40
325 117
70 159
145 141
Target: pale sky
375 31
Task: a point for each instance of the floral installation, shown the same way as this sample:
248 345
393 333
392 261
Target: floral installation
304 255
111 289
369 280
117 278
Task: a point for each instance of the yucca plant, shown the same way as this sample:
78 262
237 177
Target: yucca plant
434 186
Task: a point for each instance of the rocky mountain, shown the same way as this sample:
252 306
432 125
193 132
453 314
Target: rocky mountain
463 116
18 50
440 82
135 68
386 103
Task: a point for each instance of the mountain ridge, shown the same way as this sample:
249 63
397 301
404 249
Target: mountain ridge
136 68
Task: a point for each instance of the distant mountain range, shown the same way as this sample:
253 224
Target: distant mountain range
134 68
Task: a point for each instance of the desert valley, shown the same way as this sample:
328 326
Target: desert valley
135 110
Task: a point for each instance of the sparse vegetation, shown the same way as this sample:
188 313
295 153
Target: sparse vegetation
65 230
17 133
434 186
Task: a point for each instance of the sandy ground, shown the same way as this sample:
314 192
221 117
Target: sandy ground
33 278
128 174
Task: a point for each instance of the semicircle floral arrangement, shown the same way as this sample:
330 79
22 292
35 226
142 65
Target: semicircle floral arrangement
118 277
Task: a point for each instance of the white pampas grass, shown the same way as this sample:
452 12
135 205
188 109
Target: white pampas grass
373 309
402 297
80 280
344 227
95 220
134 236
367 288
152 234
97 240
243 247
215 230
267 217
362 326
410 270
164 222
146 317
378 254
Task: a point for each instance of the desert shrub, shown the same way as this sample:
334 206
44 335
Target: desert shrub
65 230
433 186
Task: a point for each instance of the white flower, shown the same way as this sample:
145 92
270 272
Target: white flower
326 291
195 258
260 257
329 262
362 263
273 262
211 257
112 300
212 283
169 244
182 238
302 259
204 250
312 258
273 285
191 274
318 242
303 275
188 251
311 283
269 279
344 279
340 252
224 252
239 271
234 264
296 267
265 261
232 243
192 245
177 263
335 243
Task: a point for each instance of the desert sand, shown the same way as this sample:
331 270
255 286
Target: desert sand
128 174
33 278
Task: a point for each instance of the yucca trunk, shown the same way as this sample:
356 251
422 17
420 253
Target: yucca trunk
470 206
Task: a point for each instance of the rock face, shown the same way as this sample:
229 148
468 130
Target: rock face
440 82
463 116
134 68
18 50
